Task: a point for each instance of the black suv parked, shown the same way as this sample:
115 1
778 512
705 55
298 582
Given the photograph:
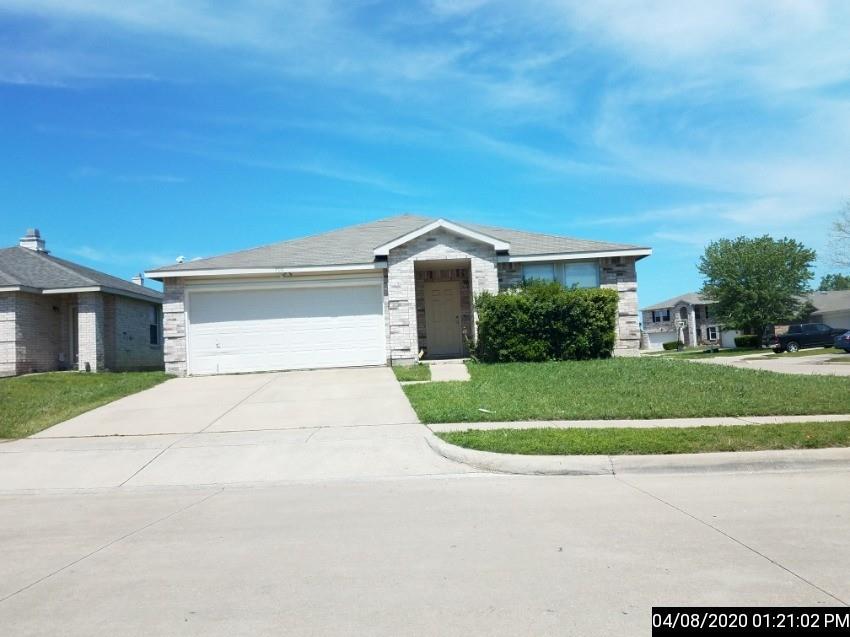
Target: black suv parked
797 336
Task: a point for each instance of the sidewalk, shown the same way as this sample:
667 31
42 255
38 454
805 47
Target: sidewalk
657 422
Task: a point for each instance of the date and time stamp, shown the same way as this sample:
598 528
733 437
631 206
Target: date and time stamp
820 621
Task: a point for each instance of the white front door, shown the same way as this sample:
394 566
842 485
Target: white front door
302 325
442 318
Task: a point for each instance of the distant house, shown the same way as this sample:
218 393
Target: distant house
693 312
57 315
833 308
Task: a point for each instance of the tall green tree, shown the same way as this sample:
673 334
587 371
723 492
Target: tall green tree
834 282
756 281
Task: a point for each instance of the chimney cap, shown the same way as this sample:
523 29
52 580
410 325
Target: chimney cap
32 241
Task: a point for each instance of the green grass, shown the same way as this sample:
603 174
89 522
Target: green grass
624 388
839 359
814 351
412 372
31 403
617 441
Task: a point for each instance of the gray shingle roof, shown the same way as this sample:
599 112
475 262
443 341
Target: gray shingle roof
692 298
356 244
42 271
830 301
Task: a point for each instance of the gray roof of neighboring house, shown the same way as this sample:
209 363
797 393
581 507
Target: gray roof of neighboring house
28 268
835 300
691 298
356 244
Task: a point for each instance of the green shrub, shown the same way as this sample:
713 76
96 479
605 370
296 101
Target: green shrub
747 340
541 321
671 345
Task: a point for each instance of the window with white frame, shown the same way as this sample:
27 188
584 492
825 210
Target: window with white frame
659 316
711 332
583 274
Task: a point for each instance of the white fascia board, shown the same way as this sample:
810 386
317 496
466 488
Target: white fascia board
498 244
10 288
219 272
575 256
91 288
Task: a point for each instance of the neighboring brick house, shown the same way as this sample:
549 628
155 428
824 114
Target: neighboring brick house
385 292
58 315
693 312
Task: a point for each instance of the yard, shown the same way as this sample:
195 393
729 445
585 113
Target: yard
34 402
661 440
624 388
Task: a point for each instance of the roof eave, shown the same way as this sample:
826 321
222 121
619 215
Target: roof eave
159 275
638 253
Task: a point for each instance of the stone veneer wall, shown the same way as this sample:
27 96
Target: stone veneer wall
439 245
620 274
174 326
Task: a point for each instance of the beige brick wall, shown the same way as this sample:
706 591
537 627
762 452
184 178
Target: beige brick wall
174 326
128 334
439 245
91 347
8 335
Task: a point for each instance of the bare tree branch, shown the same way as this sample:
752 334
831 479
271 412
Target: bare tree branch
840 239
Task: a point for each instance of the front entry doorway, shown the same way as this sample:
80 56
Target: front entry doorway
443 319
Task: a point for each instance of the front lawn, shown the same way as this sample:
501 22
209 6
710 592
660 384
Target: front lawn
405 373
663 440
31 403
624 388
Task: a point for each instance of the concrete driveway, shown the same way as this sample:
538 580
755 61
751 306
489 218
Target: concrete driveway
312 425
816 365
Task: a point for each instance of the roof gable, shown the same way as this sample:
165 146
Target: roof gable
498 244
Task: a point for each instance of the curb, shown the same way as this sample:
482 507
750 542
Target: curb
721 462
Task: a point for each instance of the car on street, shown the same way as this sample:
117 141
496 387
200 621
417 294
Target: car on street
842 341
796 336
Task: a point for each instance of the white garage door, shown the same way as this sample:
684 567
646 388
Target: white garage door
299 326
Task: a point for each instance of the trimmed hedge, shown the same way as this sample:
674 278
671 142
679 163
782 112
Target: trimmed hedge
542 321
669 345
747 340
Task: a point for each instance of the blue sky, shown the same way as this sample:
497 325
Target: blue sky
136 132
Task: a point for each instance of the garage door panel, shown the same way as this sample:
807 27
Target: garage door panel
286 328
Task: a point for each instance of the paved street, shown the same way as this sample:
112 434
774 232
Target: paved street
451 555
295 504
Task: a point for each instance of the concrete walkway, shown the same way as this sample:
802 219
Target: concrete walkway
657 422
443 371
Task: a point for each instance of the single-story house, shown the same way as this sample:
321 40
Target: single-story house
58 315
833 308
378 293
692 311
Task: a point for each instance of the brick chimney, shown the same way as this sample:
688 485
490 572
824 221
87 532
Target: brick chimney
139 279
32 241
